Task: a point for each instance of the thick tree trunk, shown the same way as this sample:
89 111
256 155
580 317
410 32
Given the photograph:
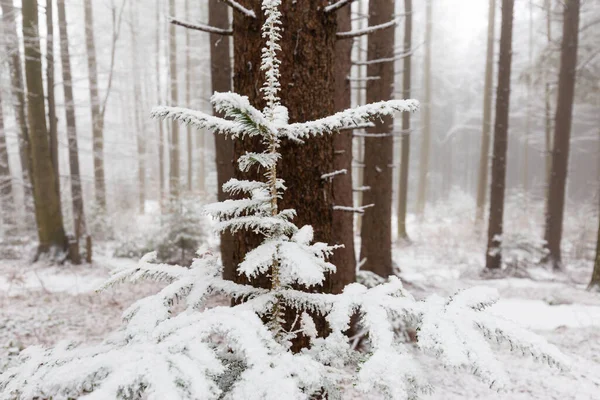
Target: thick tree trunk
18 92
562 132
6 192
174 176
495 227
405 136
595 281
548 103
76 191
307 81
343 222
161 135
47 204
97 113
220 70
426 107
376 230
482 182
52 120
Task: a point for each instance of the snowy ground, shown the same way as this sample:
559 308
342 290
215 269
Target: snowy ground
41 304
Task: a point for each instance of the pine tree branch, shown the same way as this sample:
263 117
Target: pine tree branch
366 31
201 27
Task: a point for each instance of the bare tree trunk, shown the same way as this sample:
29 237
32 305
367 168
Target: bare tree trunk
595 281
188 98
343 222
482 182
174 176
52 120
18 91
405 134
76 191
495 227
47 204
97 114
161 135
360 99
548 102
525 170
220 70
426 107
6 191
562 132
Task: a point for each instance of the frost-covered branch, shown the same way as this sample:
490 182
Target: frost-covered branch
337 5
366 31
334 174
357 210
238 7
201 27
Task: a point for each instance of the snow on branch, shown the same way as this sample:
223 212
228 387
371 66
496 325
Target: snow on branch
201 27
351 118
334 173
337 5
238 7
361 189
357 210
366 31
201 120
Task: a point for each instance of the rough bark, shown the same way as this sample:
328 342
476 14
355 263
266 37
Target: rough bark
405 137
376 230
6 190
562 132
48 214
495 227
52 119
426 110
161 135
95 107
220 71
548 102
76 191
482 182
174 176
343 222
595 281
18 91
307 81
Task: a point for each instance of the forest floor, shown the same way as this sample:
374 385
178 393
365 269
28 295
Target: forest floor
42 304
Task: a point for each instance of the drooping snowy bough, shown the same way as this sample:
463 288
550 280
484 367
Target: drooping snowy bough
231 352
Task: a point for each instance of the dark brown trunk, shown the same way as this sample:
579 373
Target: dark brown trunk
343 222
307 81
6 192
47 204
376 229
52 120
595 281
405 138
562 132
76 191
18 91
97 114
484 155
220 70
495 227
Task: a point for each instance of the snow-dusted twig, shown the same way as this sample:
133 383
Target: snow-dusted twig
361 189
201 27
366 31
357 210
238 7
334 173
337 5
364 78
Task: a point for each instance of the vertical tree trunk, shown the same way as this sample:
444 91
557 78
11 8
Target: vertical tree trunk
161 135
138 125
376 230
343 222
405 134
6 192
97 117
360 99
52 120
220 73
482 182
76 191
548 102
426 107
18 91
47 204
562 132
495 227
174 177
595 281
529 111
188 98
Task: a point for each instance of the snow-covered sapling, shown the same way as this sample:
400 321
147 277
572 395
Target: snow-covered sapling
243 352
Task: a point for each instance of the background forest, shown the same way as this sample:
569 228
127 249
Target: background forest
494 181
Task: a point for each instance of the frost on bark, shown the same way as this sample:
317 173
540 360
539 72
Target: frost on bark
220 71
405 137
6 192
376 229
48 214
562 132
495 227
76 191
482 182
